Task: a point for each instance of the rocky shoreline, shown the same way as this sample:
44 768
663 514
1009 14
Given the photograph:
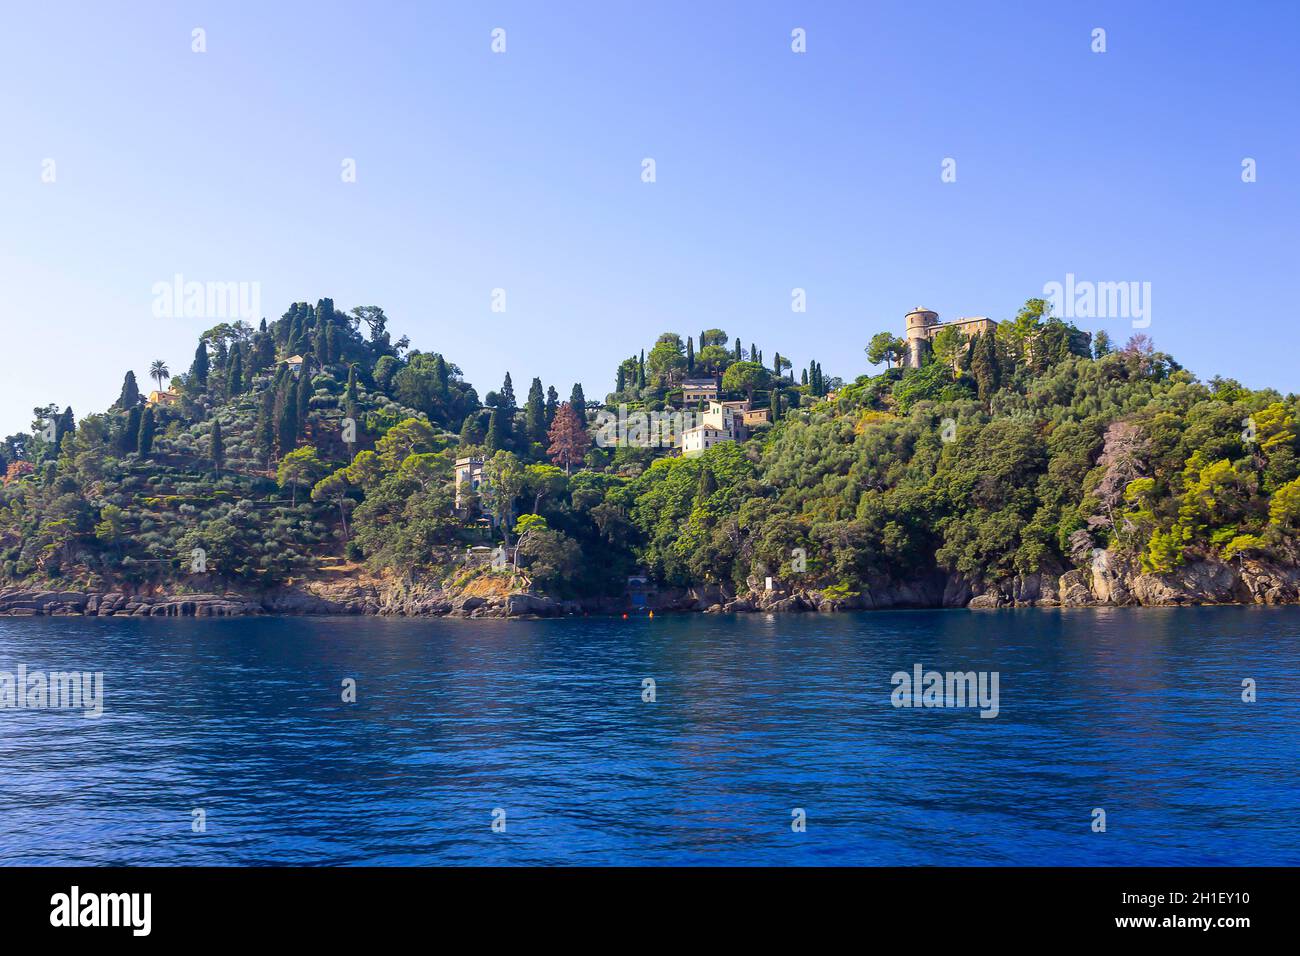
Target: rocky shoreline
1111 581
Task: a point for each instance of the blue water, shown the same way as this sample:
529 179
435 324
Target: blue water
1137 712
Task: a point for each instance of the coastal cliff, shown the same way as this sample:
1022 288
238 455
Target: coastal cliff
1111 581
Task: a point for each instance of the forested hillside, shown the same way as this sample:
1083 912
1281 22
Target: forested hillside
1031 450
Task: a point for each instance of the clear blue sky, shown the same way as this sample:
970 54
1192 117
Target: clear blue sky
523 171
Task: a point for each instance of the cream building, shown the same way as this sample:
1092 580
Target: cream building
923 325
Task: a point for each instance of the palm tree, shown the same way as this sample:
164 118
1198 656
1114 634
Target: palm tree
158 370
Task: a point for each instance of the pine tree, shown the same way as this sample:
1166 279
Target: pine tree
130 396
218 446
199 370
568 437
145 443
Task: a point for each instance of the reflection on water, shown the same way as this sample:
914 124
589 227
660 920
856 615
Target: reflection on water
1137 712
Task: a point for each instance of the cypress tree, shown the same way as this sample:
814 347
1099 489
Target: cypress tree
199 370
130 440
218 446
65 424
552 404
707 483
130 396
351 394
738 353
578 401
304 399
507 395
690 355
620 380
235 380
266 425
984 365
287 420
535 411
496 432
145 443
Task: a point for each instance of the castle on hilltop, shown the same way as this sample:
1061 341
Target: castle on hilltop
923 325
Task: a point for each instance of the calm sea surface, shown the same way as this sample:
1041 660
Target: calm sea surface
1134 712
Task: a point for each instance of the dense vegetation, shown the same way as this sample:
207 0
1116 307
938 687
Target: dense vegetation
1023 450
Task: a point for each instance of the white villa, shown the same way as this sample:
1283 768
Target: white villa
716 425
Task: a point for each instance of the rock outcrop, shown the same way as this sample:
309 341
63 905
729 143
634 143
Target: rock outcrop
1110 580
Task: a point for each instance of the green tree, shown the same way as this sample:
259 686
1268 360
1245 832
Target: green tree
217 446
130 396
745 377
298 468
199 370
144 445
887 348
503 479
535 413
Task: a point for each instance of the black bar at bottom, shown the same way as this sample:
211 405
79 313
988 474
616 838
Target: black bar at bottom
210 905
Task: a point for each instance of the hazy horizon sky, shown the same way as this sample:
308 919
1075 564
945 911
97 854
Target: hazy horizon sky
522 171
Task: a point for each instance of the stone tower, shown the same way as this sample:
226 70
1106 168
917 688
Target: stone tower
919 323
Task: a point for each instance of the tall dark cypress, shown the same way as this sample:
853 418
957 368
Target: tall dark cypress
130 396
145 444
552 404
235 380
535 412
218 450
287 420
131 430
199 370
